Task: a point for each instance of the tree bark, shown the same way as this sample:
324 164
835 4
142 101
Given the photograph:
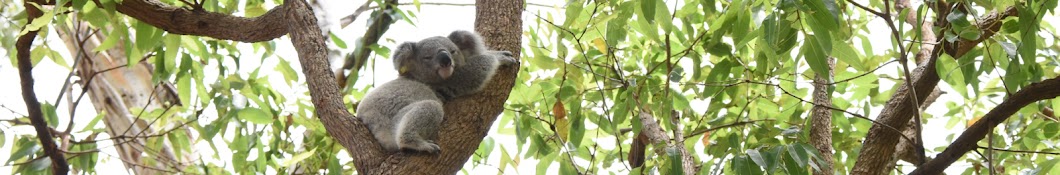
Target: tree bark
113 89
821 119
36 116
879 144
654 135
1046 89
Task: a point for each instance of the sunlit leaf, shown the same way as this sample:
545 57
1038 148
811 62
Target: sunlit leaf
256 116
298 157
817 57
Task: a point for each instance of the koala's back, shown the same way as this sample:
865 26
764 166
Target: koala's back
379 107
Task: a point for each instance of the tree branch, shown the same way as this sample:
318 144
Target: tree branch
879 144
1046 89
183 21
324 92
376 29
36 116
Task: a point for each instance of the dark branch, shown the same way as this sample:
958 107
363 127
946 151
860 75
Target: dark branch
202 23
36 116
968 140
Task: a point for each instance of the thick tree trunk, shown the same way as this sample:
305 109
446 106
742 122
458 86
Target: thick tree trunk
879 145
113 89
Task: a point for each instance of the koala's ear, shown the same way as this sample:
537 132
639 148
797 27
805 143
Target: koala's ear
467 40
404 52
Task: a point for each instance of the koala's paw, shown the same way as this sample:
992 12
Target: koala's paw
507 58
427 147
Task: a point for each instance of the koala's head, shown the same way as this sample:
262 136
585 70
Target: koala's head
430 60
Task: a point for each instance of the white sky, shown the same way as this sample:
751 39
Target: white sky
431 21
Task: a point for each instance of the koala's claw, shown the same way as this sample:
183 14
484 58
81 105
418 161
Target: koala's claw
507 59
430 148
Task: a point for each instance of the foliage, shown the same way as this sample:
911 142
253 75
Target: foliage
739 73
231 106
733 76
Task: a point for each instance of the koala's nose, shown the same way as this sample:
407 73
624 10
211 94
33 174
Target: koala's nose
444 57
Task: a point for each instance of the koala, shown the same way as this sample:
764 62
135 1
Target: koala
405 113
472 74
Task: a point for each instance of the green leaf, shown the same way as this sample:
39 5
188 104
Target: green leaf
821 15
37 54
92 124
846 53
23 147
647 10
971 33
1028 32
780 35
289 74
49 114
958 19
256 116
172 44
675 161
947 70
757 157
338 41
743 165
817 57
566 166
542 168
794 164
796 154
39 22
1014 79
57 58
147 37
574 10
112 40
298 158
1051 130
717 76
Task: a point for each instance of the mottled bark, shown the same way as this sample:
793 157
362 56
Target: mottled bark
905 150
655 135
821 119
879 144
113 89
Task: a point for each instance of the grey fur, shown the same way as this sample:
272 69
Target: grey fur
405 113
471 75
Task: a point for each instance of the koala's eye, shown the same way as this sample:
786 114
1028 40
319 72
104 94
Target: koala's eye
427 57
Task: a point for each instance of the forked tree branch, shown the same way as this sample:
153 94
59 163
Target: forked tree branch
879 144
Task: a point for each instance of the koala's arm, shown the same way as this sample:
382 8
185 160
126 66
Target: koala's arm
473 76
470 44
